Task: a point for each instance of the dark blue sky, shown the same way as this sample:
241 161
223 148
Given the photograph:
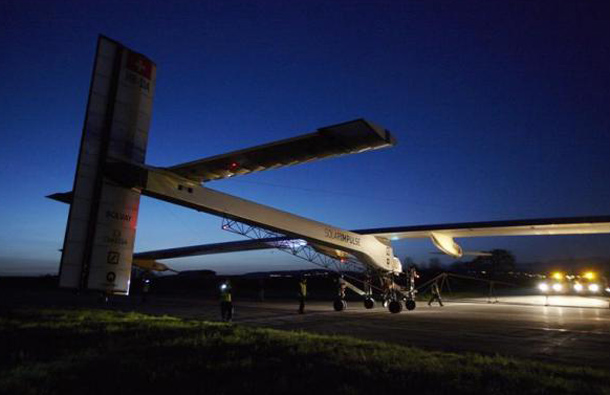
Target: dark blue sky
501 111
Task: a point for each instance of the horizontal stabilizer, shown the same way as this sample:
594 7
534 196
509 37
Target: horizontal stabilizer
346 138
62 197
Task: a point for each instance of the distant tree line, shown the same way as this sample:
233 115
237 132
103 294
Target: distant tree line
499 262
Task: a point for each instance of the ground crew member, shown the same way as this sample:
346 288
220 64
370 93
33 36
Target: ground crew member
226 301
261 290
436 294
368 289
412 276
342 286
388 289
145 288
302 295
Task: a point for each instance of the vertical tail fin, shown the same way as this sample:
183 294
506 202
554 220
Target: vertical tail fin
98 246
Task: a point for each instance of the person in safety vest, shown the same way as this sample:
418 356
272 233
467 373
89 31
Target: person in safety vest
436 294
302 294
226 301
412 275
145 288
342 288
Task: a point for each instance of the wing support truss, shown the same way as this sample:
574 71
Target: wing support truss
297 247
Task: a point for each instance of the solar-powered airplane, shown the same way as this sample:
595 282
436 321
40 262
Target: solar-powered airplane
111 175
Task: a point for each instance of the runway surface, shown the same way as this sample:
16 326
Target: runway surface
567 335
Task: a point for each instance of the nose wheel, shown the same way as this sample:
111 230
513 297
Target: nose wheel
369 303
395 306
339 304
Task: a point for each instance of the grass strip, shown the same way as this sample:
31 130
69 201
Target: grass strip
98 351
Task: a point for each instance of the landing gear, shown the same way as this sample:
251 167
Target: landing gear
395 306
339 304
394 297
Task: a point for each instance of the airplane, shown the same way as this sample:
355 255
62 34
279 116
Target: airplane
111 176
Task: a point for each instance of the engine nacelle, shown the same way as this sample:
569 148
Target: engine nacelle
446 244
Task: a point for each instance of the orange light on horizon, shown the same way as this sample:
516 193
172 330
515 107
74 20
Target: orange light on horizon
558 276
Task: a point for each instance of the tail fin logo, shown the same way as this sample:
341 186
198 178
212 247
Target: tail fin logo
139 64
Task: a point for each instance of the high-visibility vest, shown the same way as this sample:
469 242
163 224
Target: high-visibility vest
303 288
225 295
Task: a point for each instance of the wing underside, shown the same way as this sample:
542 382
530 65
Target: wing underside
528 227
346 138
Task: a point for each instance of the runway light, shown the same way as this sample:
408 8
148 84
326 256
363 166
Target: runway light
593 287
557 276
557 287
578 287
543 287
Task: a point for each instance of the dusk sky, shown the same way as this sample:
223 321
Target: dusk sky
501 110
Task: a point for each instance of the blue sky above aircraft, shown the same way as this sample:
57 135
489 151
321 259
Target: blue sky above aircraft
500 112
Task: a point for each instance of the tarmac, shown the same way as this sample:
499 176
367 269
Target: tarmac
575 333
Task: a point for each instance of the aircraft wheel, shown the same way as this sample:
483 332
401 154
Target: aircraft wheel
410 305
339 304
369 303
395 307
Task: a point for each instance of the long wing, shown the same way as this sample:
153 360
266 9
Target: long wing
346 138
523 227
442 235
